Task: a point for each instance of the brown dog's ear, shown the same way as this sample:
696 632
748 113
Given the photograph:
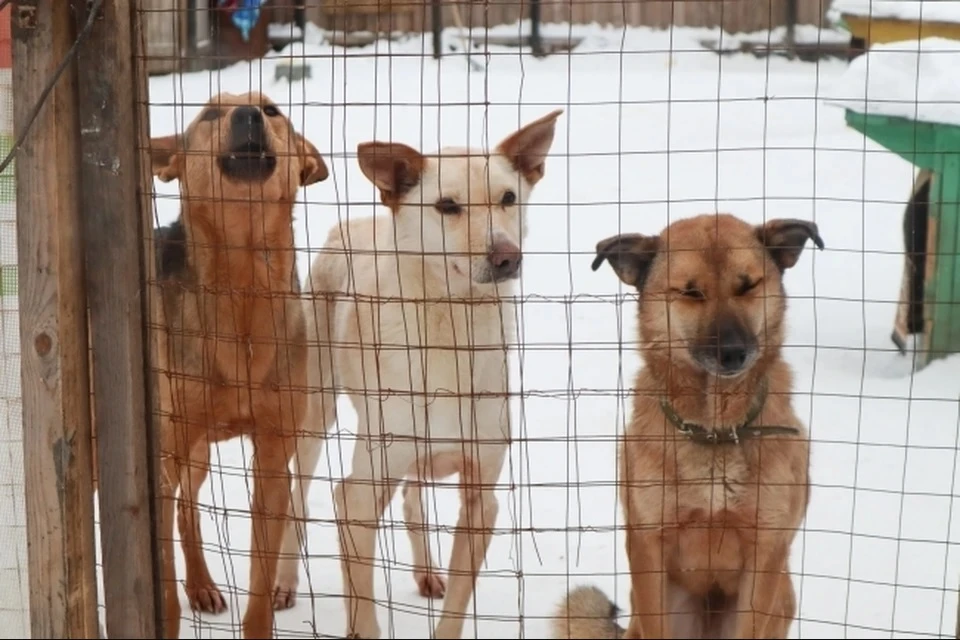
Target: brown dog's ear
784 239
527 149
394 168
165 157
312 167
630 255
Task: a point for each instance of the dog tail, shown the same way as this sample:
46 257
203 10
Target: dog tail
586 613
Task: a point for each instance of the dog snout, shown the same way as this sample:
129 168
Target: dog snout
731 353
727 348
247 116
246 123
249 156
504 259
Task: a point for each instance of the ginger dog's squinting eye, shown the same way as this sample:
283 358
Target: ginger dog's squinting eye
746 285
271 111
690 291
693 294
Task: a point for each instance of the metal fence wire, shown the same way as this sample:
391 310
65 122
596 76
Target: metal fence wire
500 300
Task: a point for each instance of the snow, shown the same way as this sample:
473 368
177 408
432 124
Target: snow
655 127
917 10
918 79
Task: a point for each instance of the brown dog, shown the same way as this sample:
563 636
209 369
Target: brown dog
231 331
714 464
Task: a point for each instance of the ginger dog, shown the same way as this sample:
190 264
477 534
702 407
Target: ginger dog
714 463
231 332
418 341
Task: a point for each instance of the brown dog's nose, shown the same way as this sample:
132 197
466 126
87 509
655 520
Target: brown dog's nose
246 124
504 258
247 117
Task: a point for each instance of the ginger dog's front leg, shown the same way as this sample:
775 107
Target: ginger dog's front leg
271 501
766 603
648 585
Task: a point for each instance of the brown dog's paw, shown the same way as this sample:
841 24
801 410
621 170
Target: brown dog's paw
284 597
206 598
430 585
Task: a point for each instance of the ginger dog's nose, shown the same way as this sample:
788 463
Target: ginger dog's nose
249 156
247 120
246 130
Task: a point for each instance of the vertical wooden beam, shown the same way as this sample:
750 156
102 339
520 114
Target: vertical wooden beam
150 291
110 199
536 42
53 329
436 24
791 22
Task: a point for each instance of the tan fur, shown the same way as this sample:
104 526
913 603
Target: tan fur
708 523
409 317
586 612
232 344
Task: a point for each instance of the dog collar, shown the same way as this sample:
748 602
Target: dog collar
731 435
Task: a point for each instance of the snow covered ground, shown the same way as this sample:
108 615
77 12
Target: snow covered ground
655 128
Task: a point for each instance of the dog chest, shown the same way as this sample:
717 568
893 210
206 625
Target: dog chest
707 554
449 359
711 479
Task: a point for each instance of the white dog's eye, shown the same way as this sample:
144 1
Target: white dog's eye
509 198
447 206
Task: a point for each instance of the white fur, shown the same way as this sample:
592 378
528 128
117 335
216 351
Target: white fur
416 335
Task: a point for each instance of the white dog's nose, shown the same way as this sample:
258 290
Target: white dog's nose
505 258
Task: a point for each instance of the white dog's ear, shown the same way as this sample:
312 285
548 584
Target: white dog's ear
527 149
393 167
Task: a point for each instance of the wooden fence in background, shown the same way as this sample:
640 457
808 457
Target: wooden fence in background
734 16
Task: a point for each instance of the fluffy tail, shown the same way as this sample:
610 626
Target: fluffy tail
585 614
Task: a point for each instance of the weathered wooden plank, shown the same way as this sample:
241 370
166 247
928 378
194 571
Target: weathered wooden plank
53 330
151 291
110 198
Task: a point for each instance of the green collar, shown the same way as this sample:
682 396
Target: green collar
731 435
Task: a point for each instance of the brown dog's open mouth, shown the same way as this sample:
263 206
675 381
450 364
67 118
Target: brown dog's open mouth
249 161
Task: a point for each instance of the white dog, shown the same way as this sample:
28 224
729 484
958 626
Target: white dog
408 316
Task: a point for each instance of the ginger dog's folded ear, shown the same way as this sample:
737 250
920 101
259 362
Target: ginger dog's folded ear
784 239
312 167
165 157
630 255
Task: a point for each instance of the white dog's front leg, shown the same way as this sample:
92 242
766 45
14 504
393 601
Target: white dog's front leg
382 456
478 511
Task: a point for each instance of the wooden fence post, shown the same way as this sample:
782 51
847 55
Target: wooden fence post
15 608
112 180
53 329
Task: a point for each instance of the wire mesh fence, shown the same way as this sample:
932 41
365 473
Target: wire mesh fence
459 302
13 535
